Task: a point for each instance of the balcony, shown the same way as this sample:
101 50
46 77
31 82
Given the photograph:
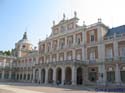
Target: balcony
92 43
72 61
109 59
115 36
115 59
122 59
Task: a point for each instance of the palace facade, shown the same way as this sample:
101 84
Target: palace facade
71 55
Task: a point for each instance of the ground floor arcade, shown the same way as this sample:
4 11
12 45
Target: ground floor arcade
64 74
70 73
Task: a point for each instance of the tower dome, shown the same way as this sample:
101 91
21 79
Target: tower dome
23 46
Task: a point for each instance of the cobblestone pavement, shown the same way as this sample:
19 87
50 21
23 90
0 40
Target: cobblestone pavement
9 87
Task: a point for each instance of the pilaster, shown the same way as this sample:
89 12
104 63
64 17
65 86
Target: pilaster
46 76
117 75
63 76
54 76
73 75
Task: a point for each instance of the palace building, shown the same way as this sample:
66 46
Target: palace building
71 55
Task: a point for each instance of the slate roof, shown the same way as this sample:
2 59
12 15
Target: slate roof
117 30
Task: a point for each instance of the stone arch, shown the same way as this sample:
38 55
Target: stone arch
93 74
79 75
122 73
43 73
20 76
59 75
110 70
6 75
0 74
28 77
17 77
50 75
36 75
68 75
24 77
13 76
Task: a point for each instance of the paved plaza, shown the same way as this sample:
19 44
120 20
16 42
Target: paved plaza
8 87
14 87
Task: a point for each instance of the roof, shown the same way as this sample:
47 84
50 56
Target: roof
24 39
117 30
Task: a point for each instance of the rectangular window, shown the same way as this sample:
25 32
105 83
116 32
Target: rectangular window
92 38
109 53
92 55
122 51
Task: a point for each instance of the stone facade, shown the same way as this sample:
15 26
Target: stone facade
73 55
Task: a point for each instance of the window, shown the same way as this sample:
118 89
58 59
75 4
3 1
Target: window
109 53
78 57
92 38
56 31
92 55
70 26
62 43
70 41
69 57
92 76
111 76
122 51
23 46
48 47
123 76
62 28
78 40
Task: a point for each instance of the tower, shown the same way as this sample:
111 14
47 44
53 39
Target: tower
23 46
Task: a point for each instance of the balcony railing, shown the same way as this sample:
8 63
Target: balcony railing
115 59
115 36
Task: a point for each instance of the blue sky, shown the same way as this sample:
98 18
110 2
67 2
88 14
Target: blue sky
37 16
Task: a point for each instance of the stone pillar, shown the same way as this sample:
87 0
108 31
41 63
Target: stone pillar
74 75
51 45
23 76
73 54
50 57
63 76
30 76
57 59
45 47
102 74
117 75
58 47
33 80
65 57
26 76
101 52
100 71
46 76
39 75
115 45
83 54
85 75
74 39
54 76
65 42
3 72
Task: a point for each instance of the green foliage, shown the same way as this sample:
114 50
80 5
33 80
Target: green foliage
8 52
